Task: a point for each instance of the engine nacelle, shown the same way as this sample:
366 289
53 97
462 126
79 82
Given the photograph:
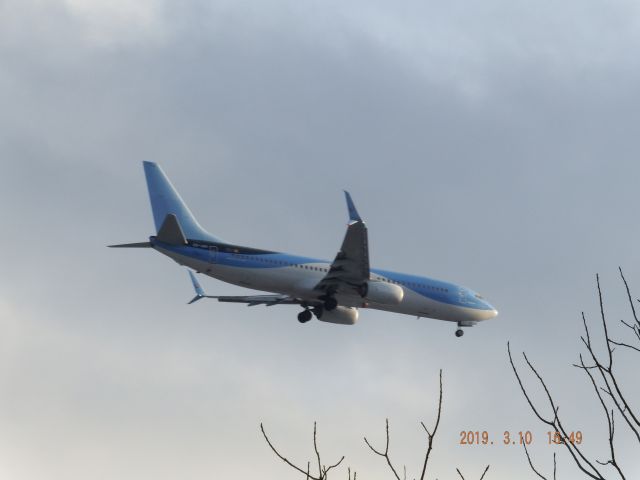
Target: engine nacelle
341 315
383 293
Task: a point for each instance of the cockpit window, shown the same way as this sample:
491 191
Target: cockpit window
480 297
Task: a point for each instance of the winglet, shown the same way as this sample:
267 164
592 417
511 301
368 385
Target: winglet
353 213
196 286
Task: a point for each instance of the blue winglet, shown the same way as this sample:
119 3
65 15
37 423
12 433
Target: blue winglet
196 286
353 213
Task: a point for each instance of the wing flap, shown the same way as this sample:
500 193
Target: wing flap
253 300
250 300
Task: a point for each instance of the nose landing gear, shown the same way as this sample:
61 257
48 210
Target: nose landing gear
459 331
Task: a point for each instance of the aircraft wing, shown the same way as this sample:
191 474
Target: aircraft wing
350 269
250 300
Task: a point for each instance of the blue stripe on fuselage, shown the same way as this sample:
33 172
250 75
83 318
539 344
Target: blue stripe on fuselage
243 257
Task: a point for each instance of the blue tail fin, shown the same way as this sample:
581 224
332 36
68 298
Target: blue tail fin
165 200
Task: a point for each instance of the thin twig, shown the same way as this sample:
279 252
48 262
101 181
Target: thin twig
622 344
322 470
485 471
526 452
384 454
626 286
285 460
315 447
556 423
430 435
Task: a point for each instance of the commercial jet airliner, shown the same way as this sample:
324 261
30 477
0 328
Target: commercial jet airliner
332 291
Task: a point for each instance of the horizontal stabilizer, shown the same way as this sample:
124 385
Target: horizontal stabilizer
170 232
132 245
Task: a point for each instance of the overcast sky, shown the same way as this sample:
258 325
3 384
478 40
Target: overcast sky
489 143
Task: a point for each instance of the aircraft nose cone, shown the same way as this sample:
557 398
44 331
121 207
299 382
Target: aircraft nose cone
480 315
491 312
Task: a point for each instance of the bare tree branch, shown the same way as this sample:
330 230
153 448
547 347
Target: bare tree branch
326 469
524 391
606 386
284 459
579 458
634 328
626 286
430 441
384 454
611 385
322 470
526 452
315 447
431 436
604 322
611 425
622 344
608 370
483 473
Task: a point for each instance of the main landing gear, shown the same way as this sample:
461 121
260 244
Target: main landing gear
459 332
330 304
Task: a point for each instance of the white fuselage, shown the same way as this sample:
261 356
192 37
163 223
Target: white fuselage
297 277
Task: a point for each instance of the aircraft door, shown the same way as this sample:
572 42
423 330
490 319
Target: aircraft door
213 254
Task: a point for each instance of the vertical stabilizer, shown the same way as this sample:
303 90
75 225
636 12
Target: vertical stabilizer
165 200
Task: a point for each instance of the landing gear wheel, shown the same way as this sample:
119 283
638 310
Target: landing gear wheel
330 304
304 316
459 332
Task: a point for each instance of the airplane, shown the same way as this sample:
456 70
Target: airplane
332 291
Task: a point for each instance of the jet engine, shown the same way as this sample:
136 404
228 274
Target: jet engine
341 315
383 293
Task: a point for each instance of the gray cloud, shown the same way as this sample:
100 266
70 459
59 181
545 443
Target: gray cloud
492 144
